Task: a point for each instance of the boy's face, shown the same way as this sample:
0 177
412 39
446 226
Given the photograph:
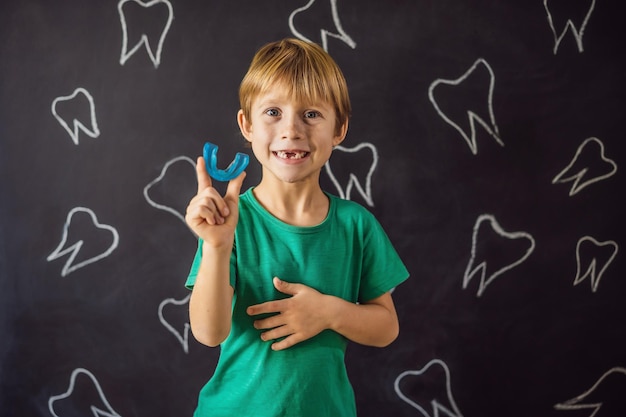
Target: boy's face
291 140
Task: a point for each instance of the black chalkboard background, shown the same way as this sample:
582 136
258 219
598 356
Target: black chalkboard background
523 344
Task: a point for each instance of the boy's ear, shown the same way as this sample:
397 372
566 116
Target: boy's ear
341 133
244 125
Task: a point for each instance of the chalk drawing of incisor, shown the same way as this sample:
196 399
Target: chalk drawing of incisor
605 398
570 6
124 8
327 28
364 154
180 307
434 393
483 101
72 245
479 264
592 259
591 151
168 207
83 397
79 98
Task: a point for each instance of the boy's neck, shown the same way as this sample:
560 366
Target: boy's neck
295 204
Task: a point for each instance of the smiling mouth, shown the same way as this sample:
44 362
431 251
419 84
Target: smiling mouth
291 154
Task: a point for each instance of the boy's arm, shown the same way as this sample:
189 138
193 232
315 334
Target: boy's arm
309 312
214 219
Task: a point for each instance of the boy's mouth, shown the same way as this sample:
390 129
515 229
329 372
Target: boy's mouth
291 154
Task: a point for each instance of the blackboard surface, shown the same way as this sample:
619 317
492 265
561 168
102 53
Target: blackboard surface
487 137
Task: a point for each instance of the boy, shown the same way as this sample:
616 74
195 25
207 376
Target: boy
286 274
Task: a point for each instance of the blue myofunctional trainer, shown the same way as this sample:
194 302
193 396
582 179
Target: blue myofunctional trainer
235 168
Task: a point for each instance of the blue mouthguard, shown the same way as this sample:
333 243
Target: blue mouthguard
235 168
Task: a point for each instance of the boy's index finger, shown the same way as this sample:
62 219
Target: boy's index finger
204 180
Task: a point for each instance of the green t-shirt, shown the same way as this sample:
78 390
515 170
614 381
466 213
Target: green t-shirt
348 255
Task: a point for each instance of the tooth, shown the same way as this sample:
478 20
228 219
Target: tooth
443 402
577 32
344 187
336 23
77 95
490 126
75 248
598 395
482 265
79 402
577 170
595 257
144 39
180 184
183 336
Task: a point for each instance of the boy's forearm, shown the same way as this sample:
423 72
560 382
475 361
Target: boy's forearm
210 306
374 323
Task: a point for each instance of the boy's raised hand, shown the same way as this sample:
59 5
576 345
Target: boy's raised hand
213 217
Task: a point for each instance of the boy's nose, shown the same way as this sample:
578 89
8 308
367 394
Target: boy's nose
291 127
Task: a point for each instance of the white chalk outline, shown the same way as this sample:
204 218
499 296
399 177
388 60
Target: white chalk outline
94 132
182 338
473 117
341 35
576 402
97 412
146 189
435 404
577 177
469 272
578 33
156 60
75 248
591 269
366 192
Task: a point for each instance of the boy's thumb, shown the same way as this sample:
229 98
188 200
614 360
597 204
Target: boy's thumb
234 186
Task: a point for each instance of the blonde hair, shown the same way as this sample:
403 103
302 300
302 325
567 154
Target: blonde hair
304 68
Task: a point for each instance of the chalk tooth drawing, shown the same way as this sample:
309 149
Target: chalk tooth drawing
91 127
144 40
597 397
166 167
577 171
577 32
595 253
183 336
99 407
74 249
477 266
353 180
337 32
490 126
443 404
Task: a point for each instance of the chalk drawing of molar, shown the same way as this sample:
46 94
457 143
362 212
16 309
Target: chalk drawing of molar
144 39
345 191
577 170
595 253
478 265
490 126
73 401
605 398
337 32
577 32
181 336
161 177
441 401
90 128
74 249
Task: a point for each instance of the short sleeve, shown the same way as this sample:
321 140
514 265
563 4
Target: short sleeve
383 269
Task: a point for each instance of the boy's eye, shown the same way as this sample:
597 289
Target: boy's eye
311 114
272 112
